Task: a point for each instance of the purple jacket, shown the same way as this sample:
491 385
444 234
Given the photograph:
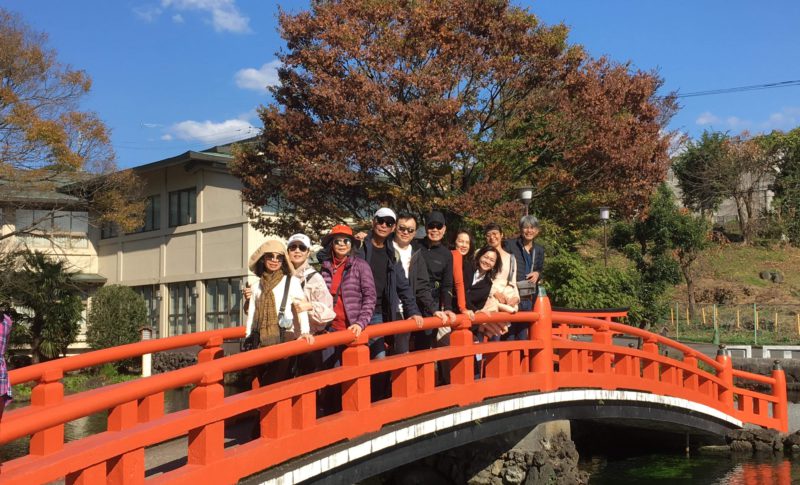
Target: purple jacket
357 289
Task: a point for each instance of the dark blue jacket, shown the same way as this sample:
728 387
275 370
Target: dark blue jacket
397 287
515 247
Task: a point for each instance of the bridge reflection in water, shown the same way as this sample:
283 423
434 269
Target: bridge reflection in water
570 361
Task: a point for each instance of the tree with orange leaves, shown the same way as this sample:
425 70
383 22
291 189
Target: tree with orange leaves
48 145
451 105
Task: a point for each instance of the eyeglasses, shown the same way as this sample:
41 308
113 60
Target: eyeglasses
406 229
385 221
273 256
341 241
435 225
294 247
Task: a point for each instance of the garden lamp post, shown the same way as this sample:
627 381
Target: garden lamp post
604 216
147 359
526 195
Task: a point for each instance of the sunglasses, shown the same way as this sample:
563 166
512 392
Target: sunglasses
294 247
385 221
273 256
435 225
341 241
407 230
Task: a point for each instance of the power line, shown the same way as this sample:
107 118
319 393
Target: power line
739 89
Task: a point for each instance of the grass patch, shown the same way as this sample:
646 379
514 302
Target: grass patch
79 381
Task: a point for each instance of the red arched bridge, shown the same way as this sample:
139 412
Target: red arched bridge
573 366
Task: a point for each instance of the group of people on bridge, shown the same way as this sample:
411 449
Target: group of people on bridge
386 275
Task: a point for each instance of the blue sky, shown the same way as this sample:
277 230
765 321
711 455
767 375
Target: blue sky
177 75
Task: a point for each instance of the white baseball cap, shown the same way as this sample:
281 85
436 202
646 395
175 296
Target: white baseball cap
385 212
300 238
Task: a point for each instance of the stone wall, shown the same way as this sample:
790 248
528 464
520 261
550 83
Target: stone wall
544 455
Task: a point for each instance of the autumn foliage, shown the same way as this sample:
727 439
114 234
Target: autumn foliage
46 142
451 105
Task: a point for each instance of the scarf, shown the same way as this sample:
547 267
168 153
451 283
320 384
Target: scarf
266 309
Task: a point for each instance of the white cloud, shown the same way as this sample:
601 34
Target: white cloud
258 79
211 132
706 118
148 13
177 18
785 119
225 15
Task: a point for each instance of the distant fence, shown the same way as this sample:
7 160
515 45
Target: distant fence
762 323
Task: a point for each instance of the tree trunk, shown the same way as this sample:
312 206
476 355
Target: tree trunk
687 276
744 225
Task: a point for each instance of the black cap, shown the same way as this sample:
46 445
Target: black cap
435 216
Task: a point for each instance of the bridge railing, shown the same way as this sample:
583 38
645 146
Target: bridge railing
287 421
49 391
695 375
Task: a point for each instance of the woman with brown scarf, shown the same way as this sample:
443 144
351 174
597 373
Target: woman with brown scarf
270 319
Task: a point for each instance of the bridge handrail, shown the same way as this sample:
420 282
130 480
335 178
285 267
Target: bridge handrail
658 339
636 332
99 357
17 423
71 409
297 398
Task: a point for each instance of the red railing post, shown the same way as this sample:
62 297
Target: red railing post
601 360
206 443
48 392
780 410
650 368
462 369
690 379
542 332
127 468
211 350
725 374
356 393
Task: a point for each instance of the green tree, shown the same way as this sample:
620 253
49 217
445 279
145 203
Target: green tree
575 282
721 166
116 315
115 318
49 305
695 169
785 148
450 105
650 244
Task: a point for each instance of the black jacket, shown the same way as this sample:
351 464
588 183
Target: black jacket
419 279
440 268
477 294
397 287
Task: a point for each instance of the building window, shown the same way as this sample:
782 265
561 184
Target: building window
152 214
108 230
182 308
65 229
182 207
152 299
223 303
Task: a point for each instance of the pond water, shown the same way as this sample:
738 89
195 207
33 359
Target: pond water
668 469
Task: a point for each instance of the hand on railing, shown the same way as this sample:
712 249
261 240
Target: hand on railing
356 329
446 316
418 320
307 337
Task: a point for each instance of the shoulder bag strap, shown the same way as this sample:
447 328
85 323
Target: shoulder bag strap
306 278
286 283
